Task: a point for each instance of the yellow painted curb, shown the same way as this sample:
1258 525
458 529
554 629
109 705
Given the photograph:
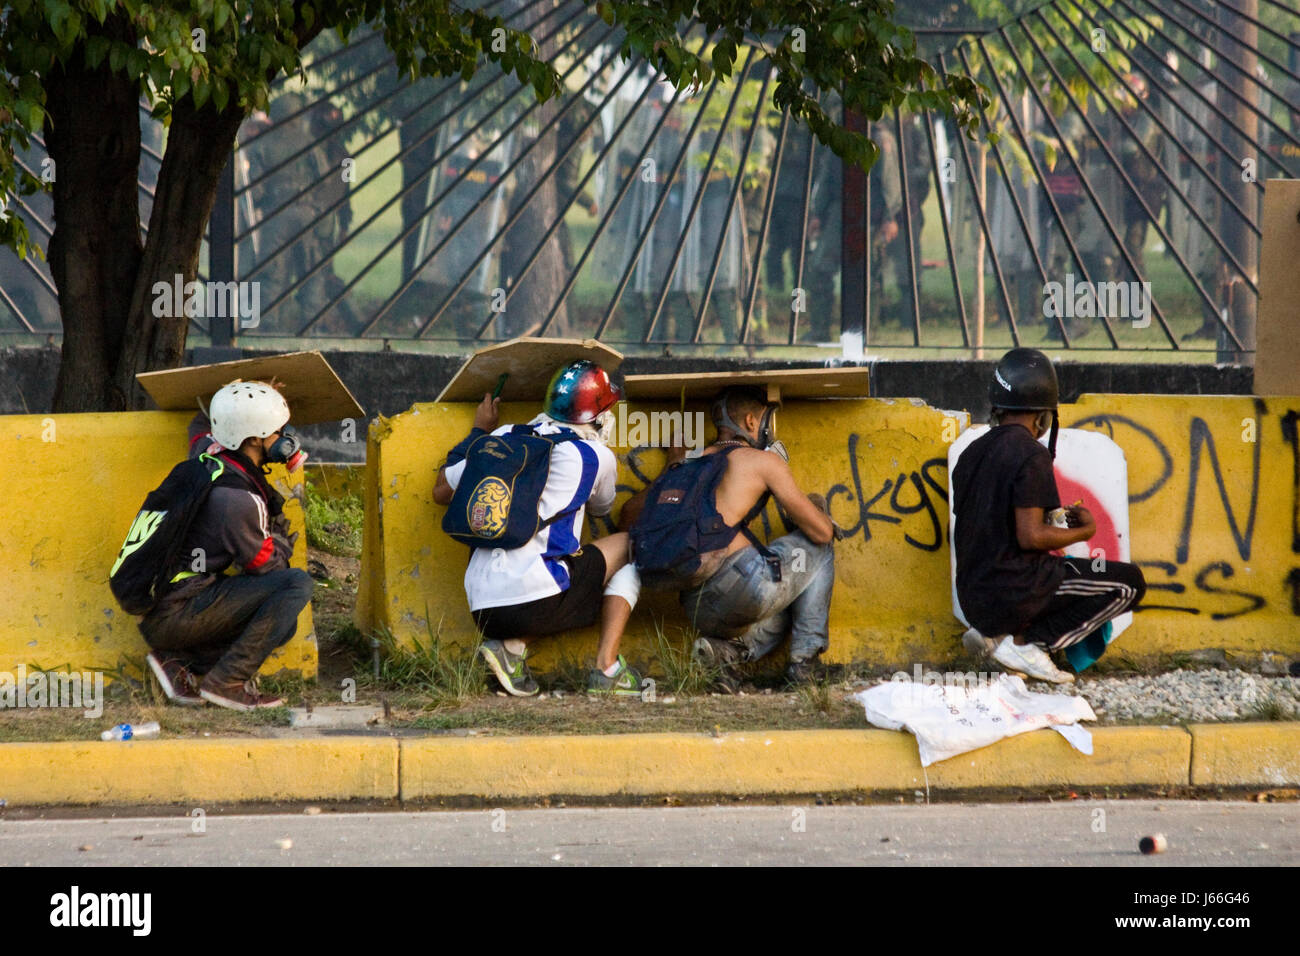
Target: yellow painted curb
777 762
1234 755
198 771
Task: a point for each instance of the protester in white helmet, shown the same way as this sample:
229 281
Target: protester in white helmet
212 630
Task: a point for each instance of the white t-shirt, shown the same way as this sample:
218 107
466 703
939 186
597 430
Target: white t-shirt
497 577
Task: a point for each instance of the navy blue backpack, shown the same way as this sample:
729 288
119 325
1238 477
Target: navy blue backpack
495 502
680 523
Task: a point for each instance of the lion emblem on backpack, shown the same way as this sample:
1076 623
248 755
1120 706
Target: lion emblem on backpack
488 508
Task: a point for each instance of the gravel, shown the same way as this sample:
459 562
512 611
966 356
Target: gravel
1189 695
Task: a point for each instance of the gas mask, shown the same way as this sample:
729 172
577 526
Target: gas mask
287 449
766 425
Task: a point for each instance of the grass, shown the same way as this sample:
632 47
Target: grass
1270 708
334 523
446 674
682 674
817 697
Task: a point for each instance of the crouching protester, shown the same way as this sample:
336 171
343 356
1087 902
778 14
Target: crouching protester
1020 599
517 494
226 597
692 534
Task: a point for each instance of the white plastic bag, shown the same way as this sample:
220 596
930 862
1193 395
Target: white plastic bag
952 718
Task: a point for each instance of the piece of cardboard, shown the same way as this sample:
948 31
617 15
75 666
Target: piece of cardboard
528 362
1277 350
313 390
787 382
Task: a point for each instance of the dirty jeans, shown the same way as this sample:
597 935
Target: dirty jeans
742 602
230 626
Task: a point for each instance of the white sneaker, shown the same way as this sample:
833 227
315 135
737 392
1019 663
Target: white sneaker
977 645
1030 659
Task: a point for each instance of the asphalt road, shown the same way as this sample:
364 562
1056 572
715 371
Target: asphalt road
1078 833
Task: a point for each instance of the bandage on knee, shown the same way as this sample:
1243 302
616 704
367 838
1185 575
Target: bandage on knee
625 583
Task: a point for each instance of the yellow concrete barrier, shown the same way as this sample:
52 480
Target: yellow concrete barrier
1215 523
198 772
1214 512
73 485
777 762
883 473
1255 754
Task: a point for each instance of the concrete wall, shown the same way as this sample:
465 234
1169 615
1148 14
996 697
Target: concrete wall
72 486
1215 517
387 383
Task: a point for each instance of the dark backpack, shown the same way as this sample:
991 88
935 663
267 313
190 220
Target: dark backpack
680 523
151 554
495 502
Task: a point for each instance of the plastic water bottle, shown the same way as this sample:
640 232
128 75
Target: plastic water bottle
127 732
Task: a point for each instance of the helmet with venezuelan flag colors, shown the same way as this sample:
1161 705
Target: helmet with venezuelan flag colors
579 392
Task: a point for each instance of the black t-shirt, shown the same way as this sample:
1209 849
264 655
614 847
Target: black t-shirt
1001 586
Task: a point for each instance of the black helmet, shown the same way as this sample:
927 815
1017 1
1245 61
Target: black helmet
1024 381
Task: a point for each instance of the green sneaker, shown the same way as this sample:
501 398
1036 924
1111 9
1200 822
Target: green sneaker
626 682
511 670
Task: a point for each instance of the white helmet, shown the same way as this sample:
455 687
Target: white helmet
243 410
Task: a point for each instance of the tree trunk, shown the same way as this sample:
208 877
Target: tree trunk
92 132
199 143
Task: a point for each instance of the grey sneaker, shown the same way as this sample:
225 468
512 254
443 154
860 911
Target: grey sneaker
626 682
511 670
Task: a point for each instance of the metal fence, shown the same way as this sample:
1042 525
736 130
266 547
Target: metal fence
1118 209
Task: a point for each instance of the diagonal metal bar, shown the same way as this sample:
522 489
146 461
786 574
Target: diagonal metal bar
502 137
767 222
1209 178
1155 161
433 165
654 213
284 81
907 226
947 232
18 313
1284 8
1191 58
1088 188
474 90
731 209
468 214
527 267
609 216
1128 182
1259 52
398 89
698 198
1182 84
803 233
1041 177
976 193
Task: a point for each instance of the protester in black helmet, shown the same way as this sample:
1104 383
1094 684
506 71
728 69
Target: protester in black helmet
1020 599
213 629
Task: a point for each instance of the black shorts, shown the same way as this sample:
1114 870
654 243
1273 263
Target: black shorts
579 606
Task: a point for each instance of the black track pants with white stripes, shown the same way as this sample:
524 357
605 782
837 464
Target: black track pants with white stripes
1086 600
